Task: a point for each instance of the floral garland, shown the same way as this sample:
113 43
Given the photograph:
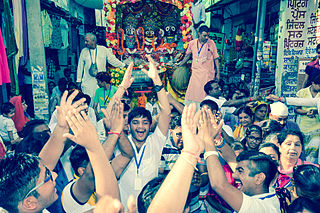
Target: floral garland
110 9
117 75
137 40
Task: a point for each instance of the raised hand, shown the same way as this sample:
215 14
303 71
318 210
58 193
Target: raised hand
116 117
153 71
210 126
127 80
84 133
188 123
66 105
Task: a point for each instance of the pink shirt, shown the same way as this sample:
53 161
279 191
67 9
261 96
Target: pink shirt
203 56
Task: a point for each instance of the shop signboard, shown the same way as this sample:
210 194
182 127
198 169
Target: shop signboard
298 36
218 39
40 96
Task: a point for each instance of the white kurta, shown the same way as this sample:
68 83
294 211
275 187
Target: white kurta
89 83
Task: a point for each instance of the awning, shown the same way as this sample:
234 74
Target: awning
220 4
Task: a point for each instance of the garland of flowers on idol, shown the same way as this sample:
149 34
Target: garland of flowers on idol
153 45
186 21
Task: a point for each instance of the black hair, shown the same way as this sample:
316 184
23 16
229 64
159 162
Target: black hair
260 106
19 173
259 163
126 107
62 84
149 191
271 126
103 77
318 46
316 79
139 112
79 158
248 51
207 87
88 99
272 145
71 85
253 128
6 108
66 69
31 125
246 110
302 203
204 28
78 96
284 134
33 143
175 122
211 104
306 180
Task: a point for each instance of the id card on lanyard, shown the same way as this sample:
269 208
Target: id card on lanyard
138 181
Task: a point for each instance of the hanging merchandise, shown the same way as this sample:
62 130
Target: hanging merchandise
4 69
47 28
56 34
24 58
11 46
18 31
64 33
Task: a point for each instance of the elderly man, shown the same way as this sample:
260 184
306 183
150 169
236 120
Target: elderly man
93 59
279 113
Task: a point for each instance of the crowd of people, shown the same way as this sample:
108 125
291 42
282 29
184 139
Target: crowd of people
226 152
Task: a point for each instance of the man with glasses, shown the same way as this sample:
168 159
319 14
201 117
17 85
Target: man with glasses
26 185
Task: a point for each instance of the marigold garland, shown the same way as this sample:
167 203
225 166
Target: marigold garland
153 45
123 48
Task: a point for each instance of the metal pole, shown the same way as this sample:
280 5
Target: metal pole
259 52
255 47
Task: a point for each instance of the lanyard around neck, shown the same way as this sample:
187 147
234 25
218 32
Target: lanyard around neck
95 57
106 97
199 51
138 163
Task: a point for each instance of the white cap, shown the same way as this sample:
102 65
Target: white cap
279 109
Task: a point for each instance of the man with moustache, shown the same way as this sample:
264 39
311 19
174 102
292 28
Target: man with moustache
147 146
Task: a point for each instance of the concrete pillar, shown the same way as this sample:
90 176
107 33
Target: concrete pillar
37 59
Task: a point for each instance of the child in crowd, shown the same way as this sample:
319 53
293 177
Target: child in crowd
8 131
21 116
103 94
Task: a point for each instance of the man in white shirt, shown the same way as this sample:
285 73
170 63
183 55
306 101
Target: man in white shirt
147 147
94 54
253 173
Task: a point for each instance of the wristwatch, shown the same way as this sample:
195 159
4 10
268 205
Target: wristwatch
157 88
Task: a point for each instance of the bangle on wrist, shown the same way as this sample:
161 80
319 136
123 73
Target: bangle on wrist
221 145
250 99
209 153
114 133
158 88
279 99
191 153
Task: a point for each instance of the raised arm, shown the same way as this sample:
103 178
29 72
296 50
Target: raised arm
185 59
86 135
295 101
240 101
218 180
52 150
176 104
165 111
125 84
173 192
